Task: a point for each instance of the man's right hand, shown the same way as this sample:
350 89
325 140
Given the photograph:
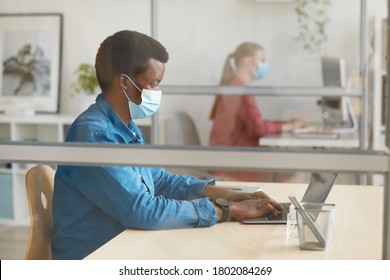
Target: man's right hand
252 208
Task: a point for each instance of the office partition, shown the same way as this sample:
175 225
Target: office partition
352 161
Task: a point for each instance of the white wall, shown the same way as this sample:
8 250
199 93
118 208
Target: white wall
86 24
198 35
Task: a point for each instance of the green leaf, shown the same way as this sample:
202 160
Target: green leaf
86 81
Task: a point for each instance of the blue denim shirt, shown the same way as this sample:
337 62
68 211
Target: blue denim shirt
93 204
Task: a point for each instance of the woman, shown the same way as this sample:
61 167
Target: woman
237 121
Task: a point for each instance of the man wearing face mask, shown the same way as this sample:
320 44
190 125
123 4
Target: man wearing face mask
237 121
93 204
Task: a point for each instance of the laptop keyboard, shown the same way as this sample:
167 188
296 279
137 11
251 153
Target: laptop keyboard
281 216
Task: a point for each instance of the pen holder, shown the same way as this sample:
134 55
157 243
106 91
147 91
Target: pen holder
315 224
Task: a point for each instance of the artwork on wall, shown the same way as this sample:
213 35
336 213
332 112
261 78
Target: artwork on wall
30 55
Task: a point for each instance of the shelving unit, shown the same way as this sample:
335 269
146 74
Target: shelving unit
37 128
41 128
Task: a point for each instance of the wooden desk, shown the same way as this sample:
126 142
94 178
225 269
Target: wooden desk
357 233
348 140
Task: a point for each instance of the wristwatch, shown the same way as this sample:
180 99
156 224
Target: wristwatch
224 205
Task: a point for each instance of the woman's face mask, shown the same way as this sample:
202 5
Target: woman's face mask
261 70
150 103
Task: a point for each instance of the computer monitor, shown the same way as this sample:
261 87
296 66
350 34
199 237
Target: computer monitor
333 72
338 110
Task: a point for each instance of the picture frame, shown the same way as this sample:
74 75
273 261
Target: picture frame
30 69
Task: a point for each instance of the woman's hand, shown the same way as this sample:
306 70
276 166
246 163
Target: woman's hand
293 124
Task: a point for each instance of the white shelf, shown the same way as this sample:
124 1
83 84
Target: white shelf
46 128
5 170
37 119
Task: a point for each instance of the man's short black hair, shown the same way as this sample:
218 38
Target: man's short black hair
126 52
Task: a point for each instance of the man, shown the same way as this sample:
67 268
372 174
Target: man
93 204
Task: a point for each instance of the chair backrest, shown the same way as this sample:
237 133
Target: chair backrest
180 129
39 189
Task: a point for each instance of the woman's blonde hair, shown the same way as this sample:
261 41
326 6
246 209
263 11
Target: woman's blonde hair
244 50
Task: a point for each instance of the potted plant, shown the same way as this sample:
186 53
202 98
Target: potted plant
86 81
312 20
85 88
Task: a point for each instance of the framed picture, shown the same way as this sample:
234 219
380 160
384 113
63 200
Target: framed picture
30 55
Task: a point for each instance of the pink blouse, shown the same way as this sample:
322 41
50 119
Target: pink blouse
238 122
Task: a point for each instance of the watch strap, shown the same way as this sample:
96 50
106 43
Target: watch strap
224 205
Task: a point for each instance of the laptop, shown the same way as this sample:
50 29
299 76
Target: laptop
317 192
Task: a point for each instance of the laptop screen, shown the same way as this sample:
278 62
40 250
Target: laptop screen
319 187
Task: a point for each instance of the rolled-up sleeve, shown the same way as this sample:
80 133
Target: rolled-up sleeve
207 215
178 186
181 187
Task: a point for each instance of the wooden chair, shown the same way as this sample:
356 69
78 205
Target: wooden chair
39 189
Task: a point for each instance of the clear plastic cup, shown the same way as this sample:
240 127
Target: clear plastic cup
315 225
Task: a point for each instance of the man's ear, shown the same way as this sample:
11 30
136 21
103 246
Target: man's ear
123 81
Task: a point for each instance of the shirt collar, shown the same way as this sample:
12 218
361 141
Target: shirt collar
130 132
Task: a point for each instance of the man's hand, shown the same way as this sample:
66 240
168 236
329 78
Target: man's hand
259 194
243 205
252 208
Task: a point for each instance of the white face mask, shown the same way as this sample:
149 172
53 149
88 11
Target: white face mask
150 103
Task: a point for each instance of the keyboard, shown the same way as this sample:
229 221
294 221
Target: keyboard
281 216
